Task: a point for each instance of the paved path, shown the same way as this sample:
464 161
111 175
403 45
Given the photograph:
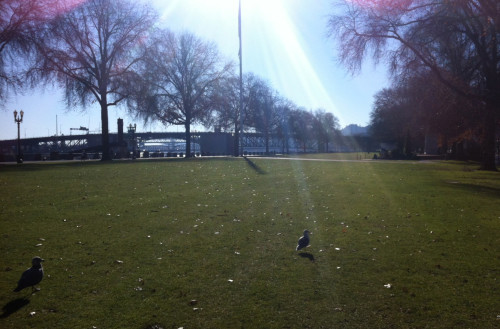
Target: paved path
344 160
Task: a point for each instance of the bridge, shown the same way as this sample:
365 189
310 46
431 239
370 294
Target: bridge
123 144
55 146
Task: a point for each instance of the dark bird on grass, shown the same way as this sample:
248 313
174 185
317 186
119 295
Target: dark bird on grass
31 276
303 241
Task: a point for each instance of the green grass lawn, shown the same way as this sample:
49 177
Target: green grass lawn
210 243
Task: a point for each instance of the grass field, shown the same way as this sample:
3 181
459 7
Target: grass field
210 243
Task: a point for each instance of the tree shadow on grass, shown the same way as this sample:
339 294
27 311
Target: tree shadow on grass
254 166
476 188
307 255
13 306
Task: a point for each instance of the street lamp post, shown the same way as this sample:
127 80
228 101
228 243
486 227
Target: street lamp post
18 119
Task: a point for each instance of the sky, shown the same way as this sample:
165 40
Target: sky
284 42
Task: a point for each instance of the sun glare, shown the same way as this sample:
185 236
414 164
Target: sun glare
284 51
274 47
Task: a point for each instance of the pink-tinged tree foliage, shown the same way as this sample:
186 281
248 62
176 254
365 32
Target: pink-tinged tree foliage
91 49
457 41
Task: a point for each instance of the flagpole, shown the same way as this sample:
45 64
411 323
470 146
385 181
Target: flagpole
240 126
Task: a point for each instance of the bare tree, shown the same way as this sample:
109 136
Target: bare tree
227 112
91 51
419 106
283 109
455 119
301 124
227 108
458 41
19 20
326 128
262 112
181 74
227 99
392 119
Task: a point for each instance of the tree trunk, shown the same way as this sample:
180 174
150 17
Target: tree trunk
266 137
488 142
236 146
187 126
106 155
287 145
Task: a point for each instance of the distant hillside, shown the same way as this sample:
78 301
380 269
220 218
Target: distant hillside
355 130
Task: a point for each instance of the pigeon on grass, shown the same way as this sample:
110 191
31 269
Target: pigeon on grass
303 241
31 276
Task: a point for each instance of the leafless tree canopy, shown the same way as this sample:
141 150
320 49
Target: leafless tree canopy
92 50
19 20
458 41
181 74
454 39
227 105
